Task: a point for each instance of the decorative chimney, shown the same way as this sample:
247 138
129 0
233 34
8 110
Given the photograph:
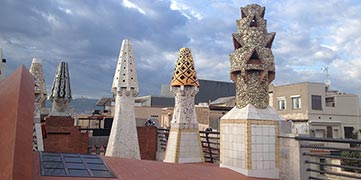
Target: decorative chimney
36 69
123 139
249 132
61 92
184 145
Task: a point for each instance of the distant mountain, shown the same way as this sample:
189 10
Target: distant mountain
80 105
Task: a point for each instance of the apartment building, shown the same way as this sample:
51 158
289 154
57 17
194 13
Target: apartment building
316 110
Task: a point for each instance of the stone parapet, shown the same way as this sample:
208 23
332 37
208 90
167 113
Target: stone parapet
292 162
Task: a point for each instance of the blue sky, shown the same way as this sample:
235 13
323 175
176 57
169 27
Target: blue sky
88 35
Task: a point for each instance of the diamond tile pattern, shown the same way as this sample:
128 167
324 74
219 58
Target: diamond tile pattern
73 165
184 72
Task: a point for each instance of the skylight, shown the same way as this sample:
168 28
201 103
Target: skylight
73 165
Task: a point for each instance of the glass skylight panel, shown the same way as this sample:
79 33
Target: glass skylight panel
73 165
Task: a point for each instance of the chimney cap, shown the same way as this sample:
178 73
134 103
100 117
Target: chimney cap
184 71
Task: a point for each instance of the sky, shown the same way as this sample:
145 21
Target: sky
310 35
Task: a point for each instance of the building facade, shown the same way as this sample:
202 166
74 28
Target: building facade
316 110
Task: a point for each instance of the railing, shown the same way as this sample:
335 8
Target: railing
210 145
209 141
162 134
333 160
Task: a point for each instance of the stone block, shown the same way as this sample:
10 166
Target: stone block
260 146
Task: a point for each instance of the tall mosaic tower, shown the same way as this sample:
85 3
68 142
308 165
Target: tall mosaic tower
123 139
36 69
61 92
249 131
252 62
184 145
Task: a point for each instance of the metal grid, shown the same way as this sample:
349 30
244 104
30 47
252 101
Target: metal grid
73 165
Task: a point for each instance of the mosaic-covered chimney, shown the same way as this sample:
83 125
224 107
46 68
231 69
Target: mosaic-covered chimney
252 62
36 69
61 92
184 145
123 138
250 130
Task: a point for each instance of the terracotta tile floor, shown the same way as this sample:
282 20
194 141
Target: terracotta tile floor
130 169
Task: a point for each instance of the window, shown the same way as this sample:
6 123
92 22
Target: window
281 101
296 102
316 102
329 132
349 133
330 101
320 133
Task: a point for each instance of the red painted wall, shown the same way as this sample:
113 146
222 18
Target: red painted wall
16 125
63 136
147 138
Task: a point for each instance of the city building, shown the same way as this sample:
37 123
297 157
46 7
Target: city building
340 111
166 97
316 110
312 108
159 108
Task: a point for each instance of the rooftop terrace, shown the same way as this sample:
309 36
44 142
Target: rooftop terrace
130 169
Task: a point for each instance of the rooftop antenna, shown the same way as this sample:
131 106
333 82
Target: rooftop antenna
327 81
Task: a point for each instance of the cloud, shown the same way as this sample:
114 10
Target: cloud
128 4
89 39
186 11
311 35
87 34
349 70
